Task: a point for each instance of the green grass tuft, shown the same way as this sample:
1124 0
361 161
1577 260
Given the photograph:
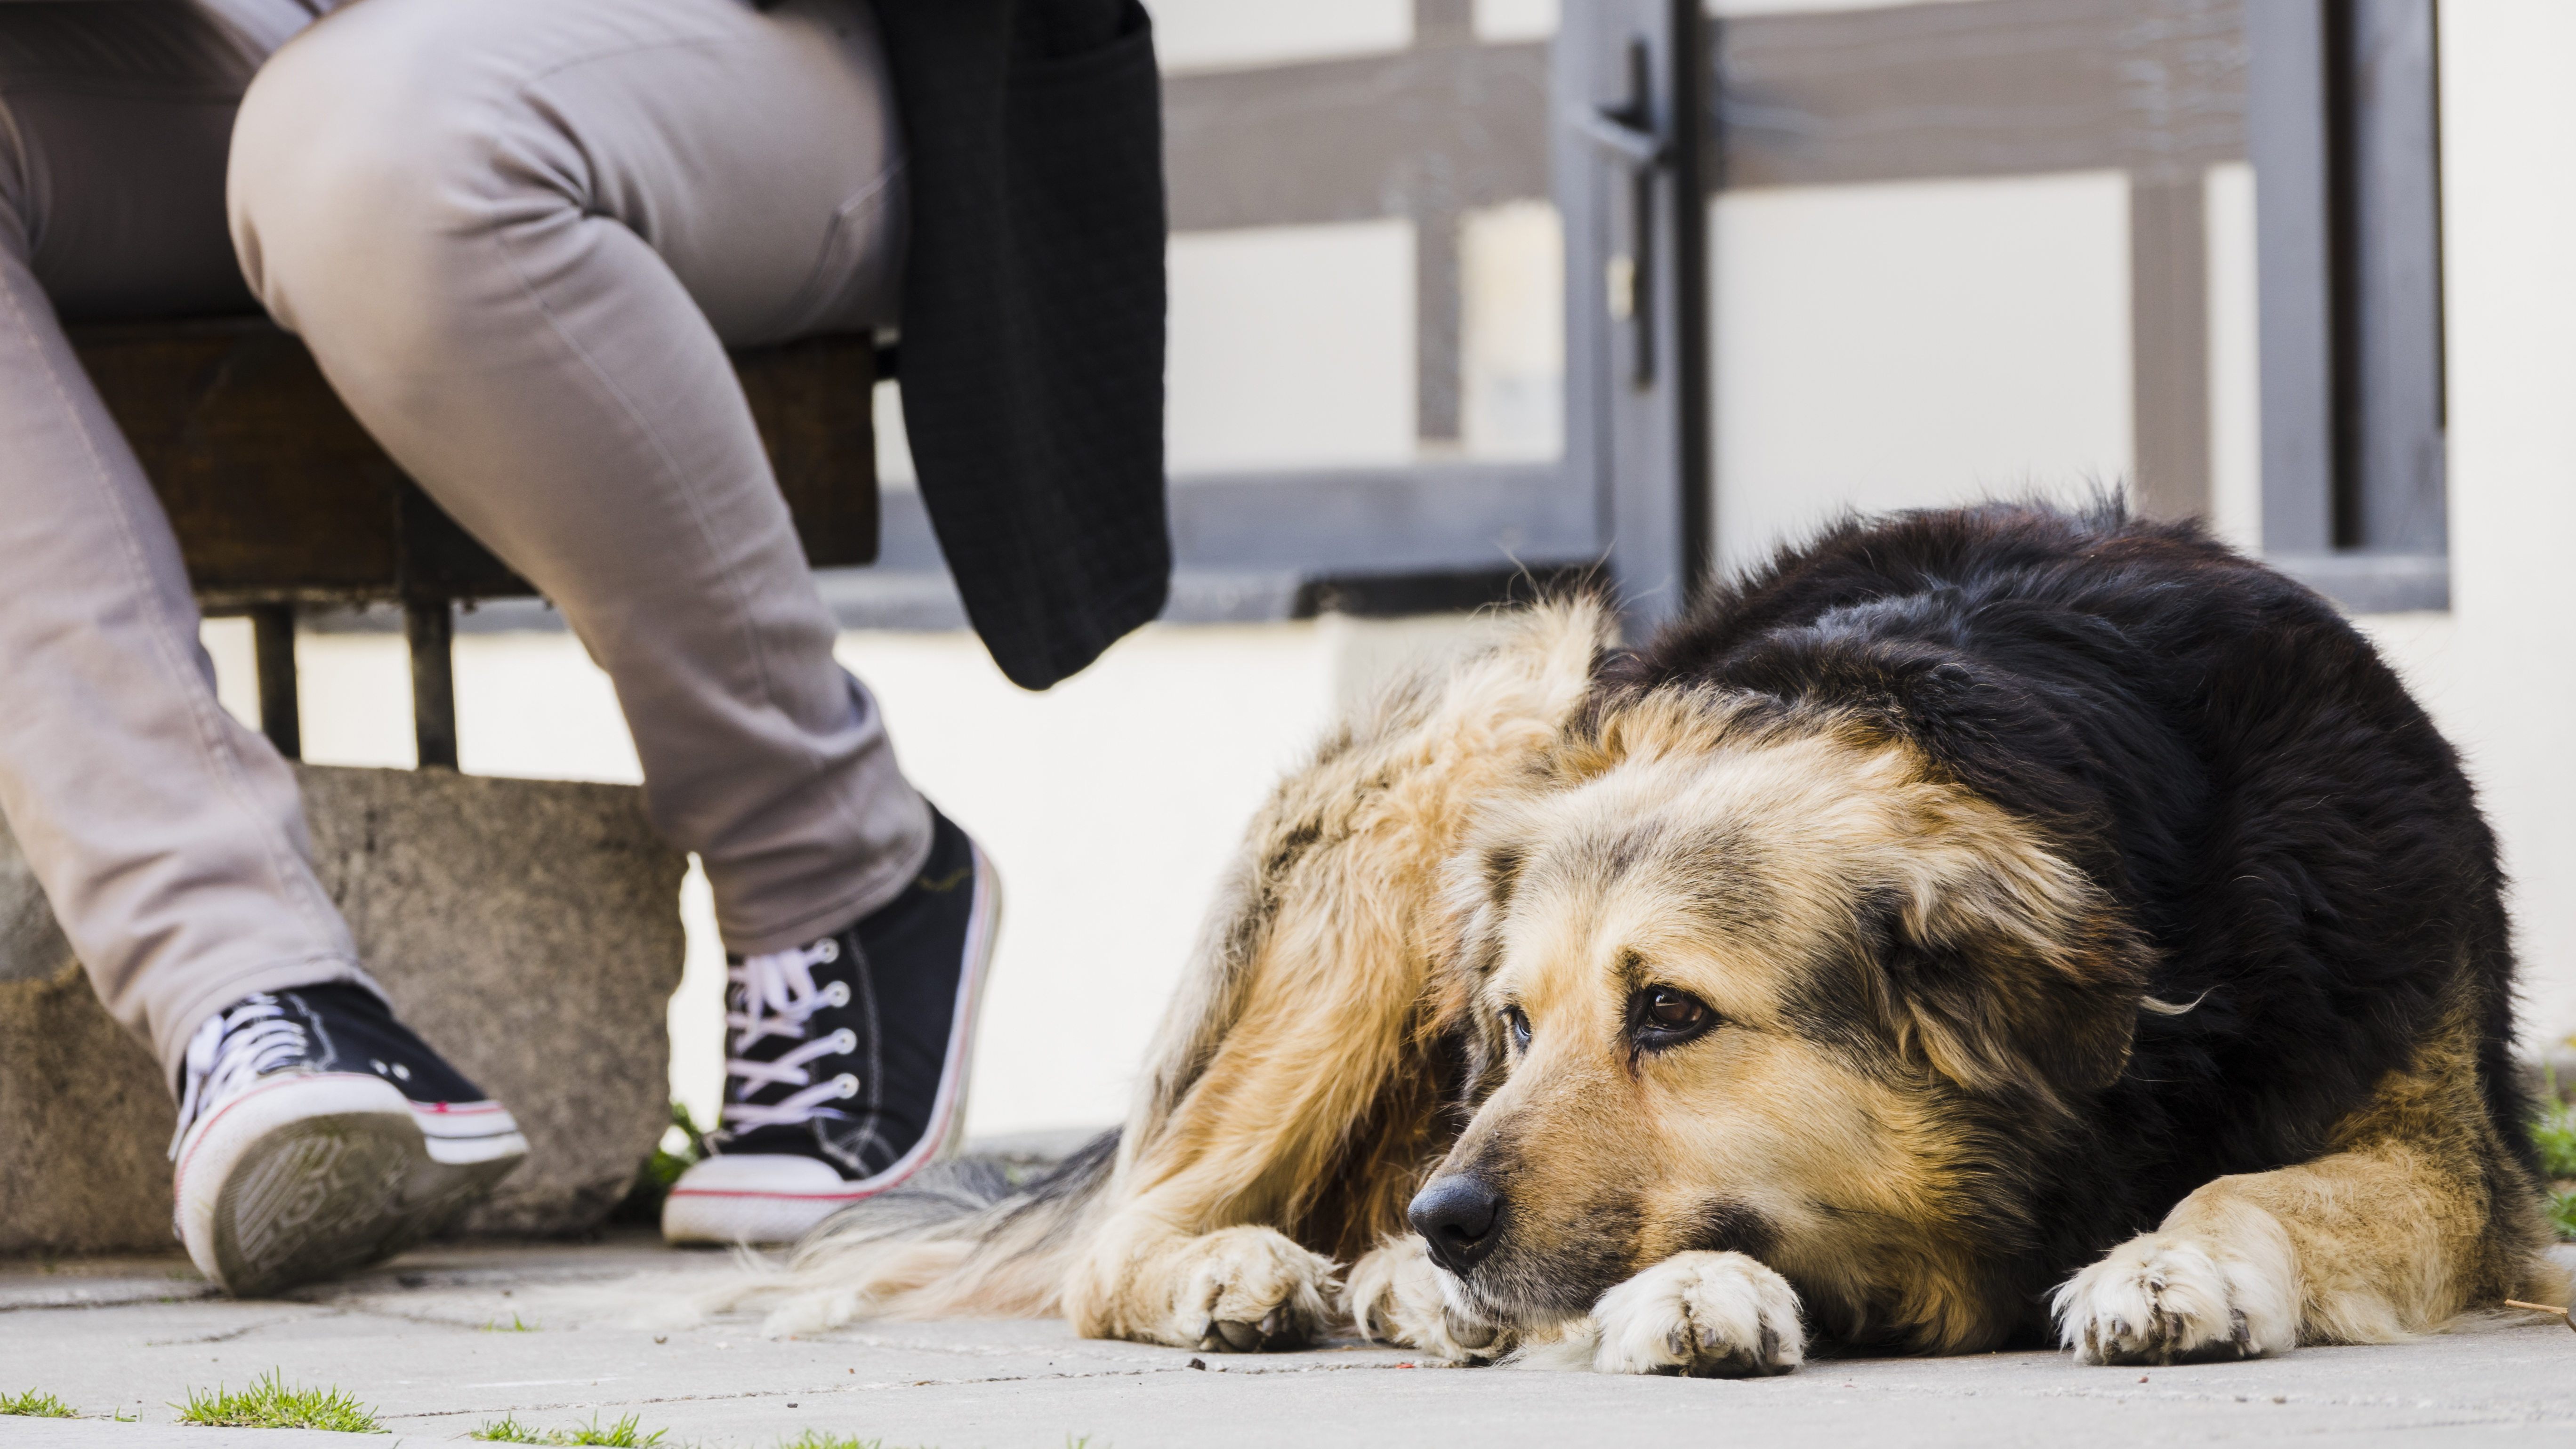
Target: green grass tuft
622 1435
682 1145
2554 1133
515 1325
817 1439
35 1405
269 1404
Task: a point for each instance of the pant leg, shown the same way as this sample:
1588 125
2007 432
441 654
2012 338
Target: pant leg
518 235
168 838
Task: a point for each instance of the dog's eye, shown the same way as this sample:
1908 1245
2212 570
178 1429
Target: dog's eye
1518 1025
1670 1008
1666 1016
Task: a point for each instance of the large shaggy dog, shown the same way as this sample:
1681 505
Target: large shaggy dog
1972 925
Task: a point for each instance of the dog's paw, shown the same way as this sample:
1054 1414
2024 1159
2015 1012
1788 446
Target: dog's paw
1395 1296
1245 1290
1708 1315
2165 1298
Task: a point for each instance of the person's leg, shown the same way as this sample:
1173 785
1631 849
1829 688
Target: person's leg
316 1132
518 235
167 836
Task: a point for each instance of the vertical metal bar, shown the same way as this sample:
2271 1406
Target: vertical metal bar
431 629
272 642
1694 79
2392 217
2286 138
1627 83
1641 307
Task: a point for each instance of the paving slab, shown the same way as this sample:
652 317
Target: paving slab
445 1340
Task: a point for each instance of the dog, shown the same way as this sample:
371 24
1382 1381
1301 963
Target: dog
1973 927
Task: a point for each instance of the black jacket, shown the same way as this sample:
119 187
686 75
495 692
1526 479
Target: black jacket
1033 315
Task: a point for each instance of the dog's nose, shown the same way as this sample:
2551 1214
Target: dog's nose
1455 1215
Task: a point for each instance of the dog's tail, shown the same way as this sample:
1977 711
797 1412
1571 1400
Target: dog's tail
957 1241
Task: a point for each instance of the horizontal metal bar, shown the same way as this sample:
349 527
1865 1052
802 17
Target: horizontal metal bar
1249 547
2373 583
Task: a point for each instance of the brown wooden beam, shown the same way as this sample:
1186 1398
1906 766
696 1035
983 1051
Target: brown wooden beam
2169 345
1980 88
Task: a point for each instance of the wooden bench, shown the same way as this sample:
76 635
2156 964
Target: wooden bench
282 501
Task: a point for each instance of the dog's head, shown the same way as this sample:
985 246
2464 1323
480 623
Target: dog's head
1739 977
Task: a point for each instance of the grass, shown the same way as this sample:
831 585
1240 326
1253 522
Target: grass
35 1405
269 1404
515 1325
624 1434
682 1145
2554 1133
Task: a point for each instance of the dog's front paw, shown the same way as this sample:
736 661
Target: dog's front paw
1708 1315
2165 1298
1395 1296
1245 1290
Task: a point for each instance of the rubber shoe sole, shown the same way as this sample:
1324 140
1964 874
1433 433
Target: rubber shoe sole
754 1198
308 1175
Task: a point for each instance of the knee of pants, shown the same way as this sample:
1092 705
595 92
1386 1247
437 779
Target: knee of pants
376 160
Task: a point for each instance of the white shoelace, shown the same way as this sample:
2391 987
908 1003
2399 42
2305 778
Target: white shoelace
231 1050
778 999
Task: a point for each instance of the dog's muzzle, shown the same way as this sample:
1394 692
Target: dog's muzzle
1460 1218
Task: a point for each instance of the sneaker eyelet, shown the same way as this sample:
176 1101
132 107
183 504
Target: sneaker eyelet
845 1041
837 993
826 951
849 1085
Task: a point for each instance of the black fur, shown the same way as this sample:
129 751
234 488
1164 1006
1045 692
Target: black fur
2223 754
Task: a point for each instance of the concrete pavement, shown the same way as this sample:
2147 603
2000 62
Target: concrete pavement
430 1342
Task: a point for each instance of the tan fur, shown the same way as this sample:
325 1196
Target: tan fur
1488 839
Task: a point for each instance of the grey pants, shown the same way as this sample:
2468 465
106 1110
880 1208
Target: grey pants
518 235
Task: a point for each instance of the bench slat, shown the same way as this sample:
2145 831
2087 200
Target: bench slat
278 495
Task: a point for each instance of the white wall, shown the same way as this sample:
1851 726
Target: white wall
1291 346
1911 344
1222 34
2235 357
1511 265
2509 198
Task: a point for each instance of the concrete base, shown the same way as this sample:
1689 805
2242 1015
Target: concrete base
528 929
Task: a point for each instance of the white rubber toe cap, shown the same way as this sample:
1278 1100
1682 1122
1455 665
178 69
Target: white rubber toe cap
755 1198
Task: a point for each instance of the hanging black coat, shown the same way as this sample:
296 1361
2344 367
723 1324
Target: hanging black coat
1032 362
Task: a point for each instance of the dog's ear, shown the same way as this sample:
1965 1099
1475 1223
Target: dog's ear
2008 972
1466 940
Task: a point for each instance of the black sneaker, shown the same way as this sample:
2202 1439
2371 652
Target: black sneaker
846 1058
317 1133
